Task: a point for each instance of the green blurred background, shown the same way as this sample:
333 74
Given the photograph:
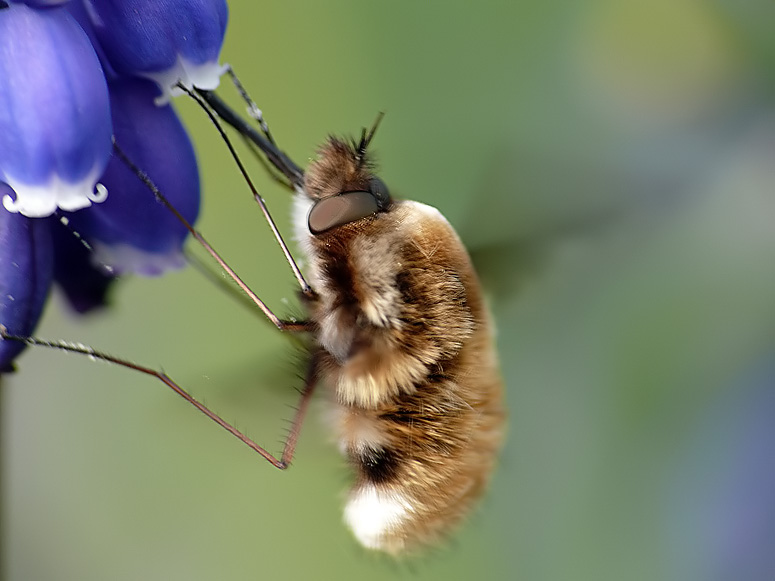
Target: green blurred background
611 167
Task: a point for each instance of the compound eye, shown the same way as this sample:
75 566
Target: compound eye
380 192
339 210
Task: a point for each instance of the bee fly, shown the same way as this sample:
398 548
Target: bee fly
403 341
399 336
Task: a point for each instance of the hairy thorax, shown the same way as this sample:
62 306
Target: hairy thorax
391 308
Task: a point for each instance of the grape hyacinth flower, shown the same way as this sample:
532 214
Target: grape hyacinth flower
186 40
54 112
73 76
26 271
144 238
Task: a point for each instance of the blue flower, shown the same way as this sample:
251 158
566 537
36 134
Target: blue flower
167 41
26 270
131 231
54 115
57 117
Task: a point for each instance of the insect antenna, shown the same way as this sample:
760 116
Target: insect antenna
366 138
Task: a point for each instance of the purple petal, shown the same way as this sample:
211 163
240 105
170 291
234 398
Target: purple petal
54 114
131 231
164 40
26 269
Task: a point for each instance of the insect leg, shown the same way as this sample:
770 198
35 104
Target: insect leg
276 157
290 443
310 381
305 288
274 319
253 109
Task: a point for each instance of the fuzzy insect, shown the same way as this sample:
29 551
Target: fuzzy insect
399 336
403 342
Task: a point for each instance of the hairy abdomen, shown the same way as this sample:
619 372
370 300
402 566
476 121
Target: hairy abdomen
422 459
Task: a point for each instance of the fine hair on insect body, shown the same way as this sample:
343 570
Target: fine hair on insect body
398 333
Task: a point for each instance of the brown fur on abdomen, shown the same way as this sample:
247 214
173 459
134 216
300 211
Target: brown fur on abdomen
406 350
440 444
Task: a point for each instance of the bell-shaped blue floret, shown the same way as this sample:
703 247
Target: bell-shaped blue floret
54 113
167 41
131 231
26 268
77 10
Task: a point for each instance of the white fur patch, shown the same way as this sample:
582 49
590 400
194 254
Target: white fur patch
428 211
334 336
371 514
301 207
